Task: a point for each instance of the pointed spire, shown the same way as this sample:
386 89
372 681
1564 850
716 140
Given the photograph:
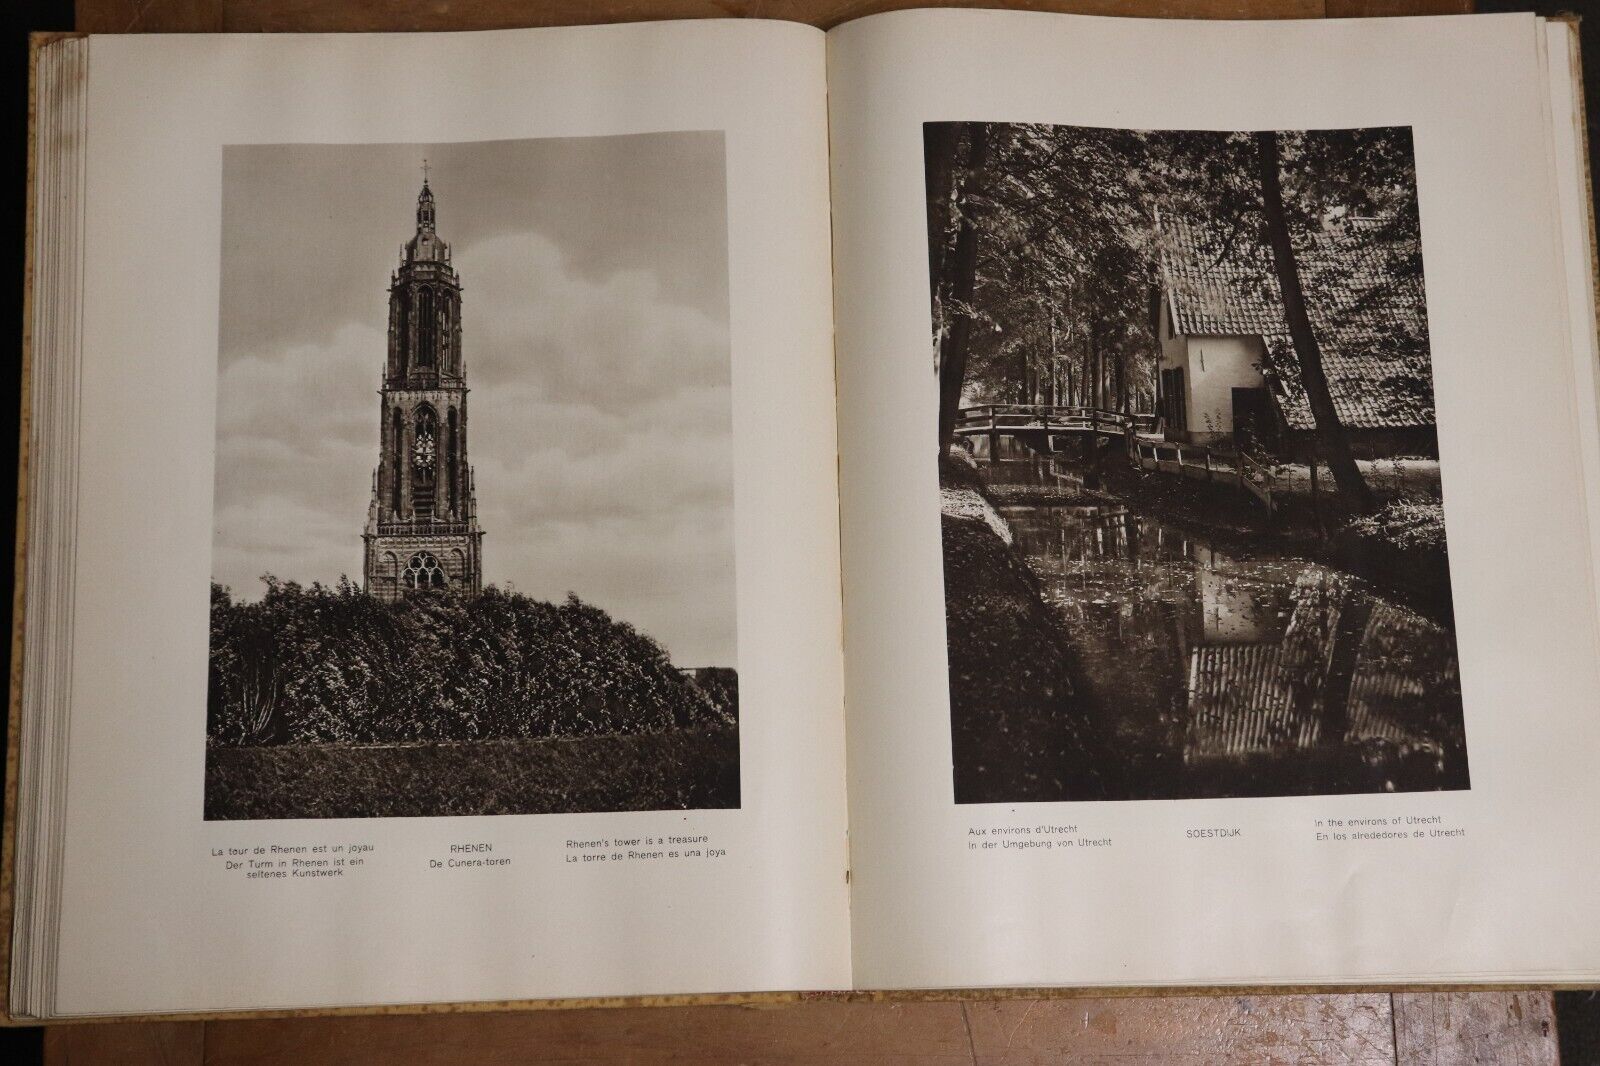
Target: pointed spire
425 217
426 246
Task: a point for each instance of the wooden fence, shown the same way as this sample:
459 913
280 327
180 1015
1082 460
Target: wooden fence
1205 464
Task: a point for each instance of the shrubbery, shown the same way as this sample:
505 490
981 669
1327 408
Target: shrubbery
333 665
685 769
1406 524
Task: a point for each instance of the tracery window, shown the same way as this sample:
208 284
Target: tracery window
424 572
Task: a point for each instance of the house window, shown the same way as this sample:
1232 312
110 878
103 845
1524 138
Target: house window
424 572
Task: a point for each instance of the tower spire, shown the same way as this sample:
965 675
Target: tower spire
422 527
425 216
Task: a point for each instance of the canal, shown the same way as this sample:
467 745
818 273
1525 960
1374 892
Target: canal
1205 672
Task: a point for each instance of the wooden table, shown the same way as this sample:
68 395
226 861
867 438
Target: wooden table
1436 1029
1410 1029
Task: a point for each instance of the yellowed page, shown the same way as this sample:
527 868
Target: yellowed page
1271 889
158 912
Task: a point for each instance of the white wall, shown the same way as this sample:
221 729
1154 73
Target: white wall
1212 368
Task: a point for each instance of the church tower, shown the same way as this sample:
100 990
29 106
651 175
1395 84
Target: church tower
422 527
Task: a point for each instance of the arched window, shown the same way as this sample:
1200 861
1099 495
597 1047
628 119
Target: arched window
397 451
447 343
424 460
427 330
452 454
402 339
424 572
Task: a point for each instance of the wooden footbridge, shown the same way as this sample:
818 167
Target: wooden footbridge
1041 427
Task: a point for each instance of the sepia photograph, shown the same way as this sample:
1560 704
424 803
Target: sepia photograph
530 611
1192 511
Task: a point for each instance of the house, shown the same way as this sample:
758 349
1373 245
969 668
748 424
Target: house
1228 370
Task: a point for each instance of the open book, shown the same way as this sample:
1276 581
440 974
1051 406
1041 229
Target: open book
965 499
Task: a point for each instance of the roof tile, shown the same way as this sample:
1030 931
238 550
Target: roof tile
1369 315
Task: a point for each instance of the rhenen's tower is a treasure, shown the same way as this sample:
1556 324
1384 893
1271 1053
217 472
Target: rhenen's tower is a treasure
422 528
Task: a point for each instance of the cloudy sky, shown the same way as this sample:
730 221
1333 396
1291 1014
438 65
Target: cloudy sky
595 331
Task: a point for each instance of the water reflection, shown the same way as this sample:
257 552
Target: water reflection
1215 675
1028 475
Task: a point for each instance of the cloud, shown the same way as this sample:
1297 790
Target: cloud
599 428
611 344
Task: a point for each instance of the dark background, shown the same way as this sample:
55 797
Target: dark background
1578 1013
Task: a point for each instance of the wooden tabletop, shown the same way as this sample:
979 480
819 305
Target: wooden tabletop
1412 1029
1436 1029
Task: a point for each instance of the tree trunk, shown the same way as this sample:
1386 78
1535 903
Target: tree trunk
1335 446
1349 635
960 275
1055 367
940 142
1097 398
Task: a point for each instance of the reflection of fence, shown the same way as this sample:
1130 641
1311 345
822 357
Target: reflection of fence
1204 464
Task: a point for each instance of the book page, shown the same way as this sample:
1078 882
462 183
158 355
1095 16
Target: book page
1219 604
544 702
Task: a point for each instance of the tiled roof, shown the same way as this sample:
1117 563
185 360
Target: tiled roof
1370 318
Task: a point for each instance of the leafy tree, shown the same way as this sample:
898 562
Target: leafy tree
1042 255
334 665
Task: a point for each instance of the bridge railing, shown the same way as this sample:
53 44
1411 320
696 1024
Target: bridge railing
1000 417
1206 464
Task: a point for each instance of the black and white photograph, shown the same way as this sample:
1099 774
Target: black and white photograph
528 611
1192 512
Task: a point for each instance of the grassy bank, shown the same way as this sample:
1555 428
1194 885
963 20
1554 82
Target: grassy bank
1018 732
679 770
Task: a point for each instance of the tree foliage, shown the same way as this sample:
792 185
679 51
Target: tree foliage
1043 253
334 665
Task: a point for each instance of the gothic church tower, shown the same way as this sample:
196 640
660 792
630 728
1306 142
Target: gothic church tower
422 527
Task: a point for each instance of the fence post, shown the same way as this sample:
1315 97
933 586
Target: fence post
994 435
1208 464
